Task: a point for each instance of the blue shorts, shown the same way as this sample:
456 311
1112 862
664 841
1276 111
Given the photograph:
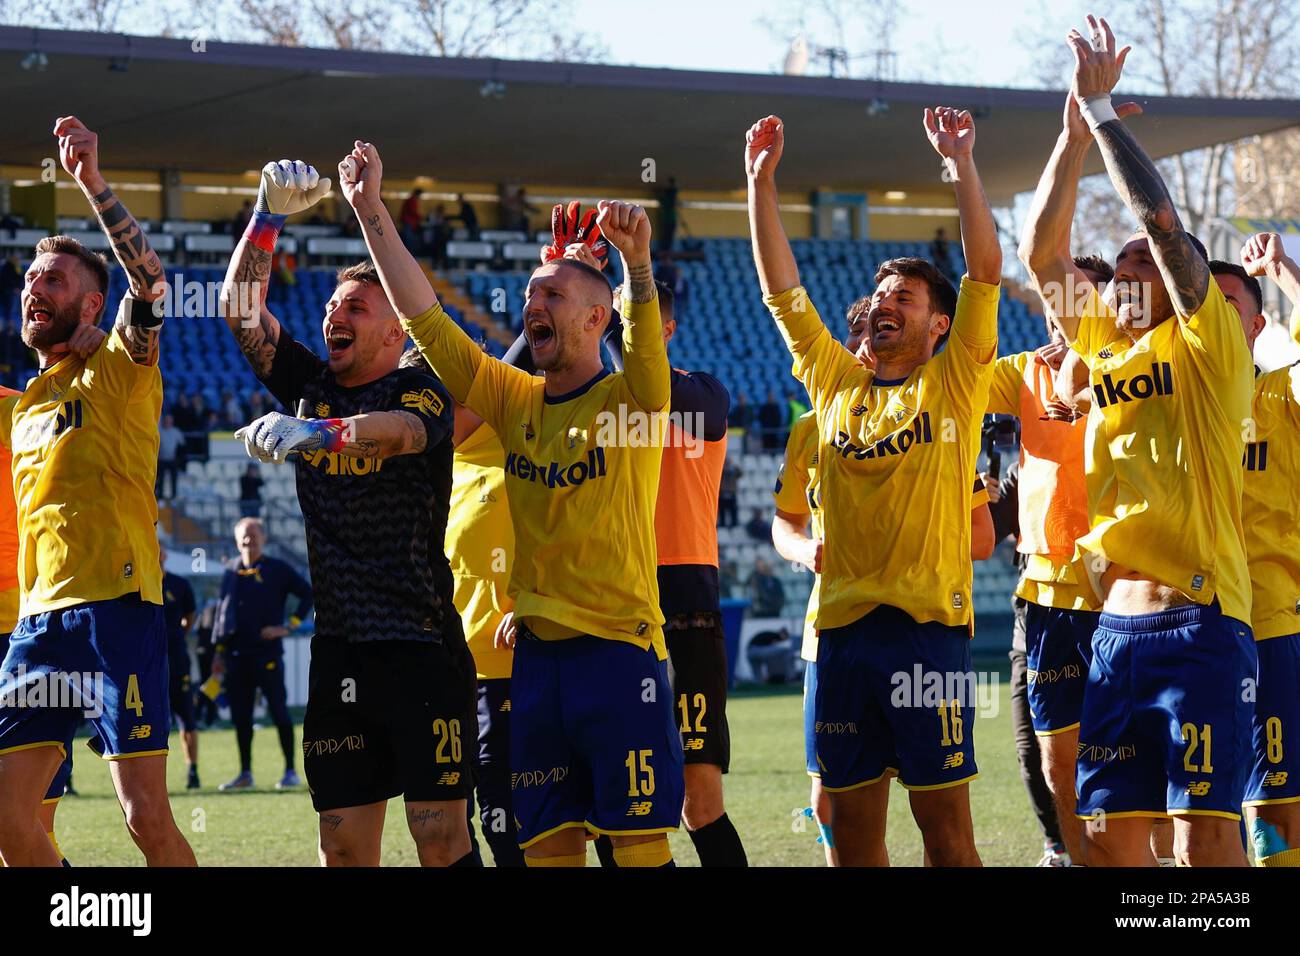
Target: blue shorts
61 776
895 696
1275 775
106 662
1058 650
1167 715
810 719
594 740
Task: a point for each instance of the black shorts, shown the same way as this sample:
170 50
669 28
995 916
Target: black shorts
182 700
389 717
697 667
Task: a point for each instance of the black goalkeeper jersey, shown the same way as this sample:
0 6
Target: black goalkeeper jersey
375 527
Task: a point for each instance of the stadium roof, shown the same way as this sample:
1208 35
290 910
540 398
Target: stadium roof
231 107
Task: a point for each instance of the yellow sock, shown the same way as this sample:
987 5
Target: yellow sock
574 859
1285 858
655 853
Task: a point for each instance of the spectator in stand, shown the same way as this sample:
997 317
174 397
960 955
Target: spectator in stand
257 406
232 412
409 220
759 527
250 491
182 410
796 405
11 284
728 579
205 698
285 268
171 442
939 251
667 215
728 494
766 596
438 233
742 413
240 221
467 216
515 209
772 420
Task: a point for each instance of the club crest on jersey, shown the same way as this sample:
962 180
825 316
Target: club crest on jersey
1112 391
895 443
322 410
899 411
425 400
576 437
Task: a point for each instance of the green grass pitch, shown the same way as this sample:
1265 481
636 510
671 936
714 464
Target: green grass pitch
765 790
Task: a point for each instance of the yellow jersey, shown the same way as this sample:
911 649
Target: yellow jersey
1271 504
895 460
581 476
1052 489
796 494
10 592
84 437
1164 448
481 547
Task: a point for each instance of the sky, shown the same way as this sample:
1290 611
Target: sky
955 41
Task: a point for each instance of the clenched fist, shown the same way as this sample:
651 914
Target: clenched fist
626 227
764 144
289 186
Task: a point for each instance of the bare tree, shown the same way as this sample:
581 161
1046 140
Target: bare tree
1227 49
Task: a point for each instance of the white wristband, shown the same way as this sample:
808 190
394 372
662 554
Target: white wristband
1097 110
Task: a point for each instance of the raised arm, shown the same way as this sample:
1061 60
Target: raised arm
952 134
450 352
626 227
286 187
764 144
1263 255
1134 175
79 154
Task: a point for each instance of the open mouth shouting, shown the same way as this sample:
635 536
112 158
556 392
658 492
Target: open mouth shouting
339 340
541 334
884 325
37 314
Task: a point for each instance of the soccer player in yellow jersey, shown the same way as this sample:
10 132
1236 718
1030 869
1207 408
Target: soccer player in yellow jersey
1164 729
84 437
593 739
1271 517
480 544
896 448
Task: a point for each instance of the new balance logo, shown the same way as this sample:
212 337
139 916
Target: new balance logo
953 761
1110 390
858 409
640 809
1106 353
1275 778
895 443
504 708
449 778
1198 788
557 475
693 743
140 732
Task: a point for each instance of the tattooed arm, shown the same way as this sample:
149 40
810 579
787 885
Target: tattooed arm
79 154
1097 69
286 187
243 303
626 227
